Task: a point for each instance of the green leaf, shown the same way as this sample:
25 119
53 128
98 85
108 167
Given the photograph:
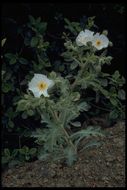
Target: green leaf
23 61
32 20
73 65
91 144
8 76
5 160
13 60
14 152
121 94
113 101
3 72
38 20
75 96
98 68
42 27
10 124
90 22
94 131
6 87
32 151
104 82
34 41
61 68
40 134
7 152
43 155
76 124
83 106
116 75
27 157
21 105
24 115
113 114
24 150
9 55
30 112
13 163
70 155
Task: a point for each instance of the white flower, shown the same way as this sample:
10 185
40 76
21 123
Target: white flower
40 84
84 37
100 41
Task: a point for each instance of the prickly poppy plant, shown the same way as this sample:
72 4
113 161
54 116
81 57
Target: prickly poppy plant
59 98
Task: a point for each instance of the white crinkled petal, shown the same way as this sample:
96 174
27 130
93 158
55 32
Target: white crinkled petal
105 40
45 93
99 47
80 38
97 35
88 32
35 91
39 76
84 37
33 85
37 94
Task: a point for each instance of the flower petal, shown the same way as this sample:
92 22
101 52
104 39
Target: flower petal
33 85
37 94
88 32
80 38
103 41
84 37
45 93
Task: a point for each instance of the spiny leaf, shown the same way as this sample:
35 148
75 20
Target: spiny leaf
78 136
70 155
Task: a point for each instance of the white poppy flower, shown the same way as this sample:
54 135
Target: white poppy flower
100 41
84 37
40 84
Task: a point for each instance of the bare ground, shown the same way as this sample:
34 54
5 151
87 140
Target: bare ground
97 167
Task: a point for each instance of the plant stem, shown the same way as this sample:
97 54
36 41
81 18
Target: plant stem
79 75
67 137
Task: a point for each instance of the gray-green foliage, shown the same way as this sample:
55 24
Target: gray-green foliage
56 135
61 133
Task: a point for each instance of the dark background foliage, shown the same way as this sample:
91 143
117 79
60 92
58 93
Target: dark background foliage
110 16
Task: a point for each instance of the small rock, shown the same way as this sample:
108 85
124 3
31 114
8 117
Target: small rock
52 173
108 164
53 166
45 180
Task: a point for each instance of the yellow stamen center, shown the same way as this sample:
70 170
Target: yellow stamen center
98 42
42 85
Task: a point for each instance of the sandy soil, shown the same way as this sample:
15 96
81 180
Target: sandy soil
97 167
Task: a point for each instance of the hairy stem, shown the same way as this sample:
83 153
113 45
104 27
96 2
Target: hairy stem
67 137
